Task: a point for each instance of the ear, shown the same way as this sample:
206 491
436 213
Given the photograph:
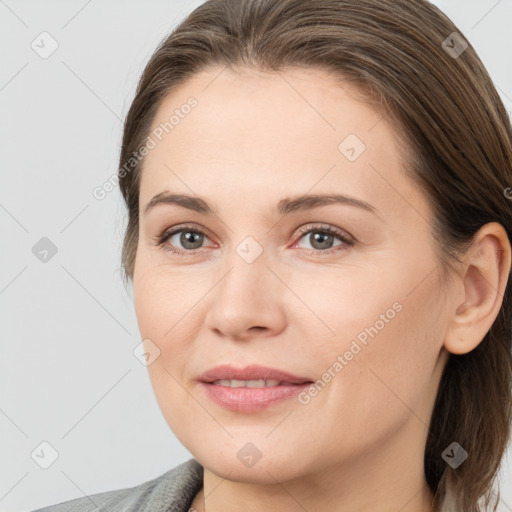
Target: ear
485 275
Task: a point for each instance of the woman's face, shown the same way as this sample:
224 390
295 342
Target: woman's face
361 315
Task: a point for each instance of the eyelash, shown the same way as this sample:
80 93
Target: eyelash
165 235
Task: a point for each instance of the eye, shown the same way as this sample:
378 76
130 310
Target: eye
190 238
321 239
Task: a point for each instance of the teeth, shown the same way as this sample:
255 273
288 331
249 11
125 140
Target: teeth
233 383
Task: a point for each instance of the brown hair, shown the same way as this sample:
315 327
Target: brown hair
403 56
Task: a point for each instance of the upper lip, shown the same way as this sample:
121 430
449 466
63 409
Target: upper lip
252 372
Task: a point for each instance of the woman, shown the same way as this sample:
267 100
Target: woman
319 245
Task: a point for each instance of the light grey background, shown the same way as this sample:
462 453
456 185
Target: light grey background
68 375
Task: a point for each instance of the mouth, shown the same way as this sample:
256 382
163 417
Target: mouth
260 383
253 376
252 388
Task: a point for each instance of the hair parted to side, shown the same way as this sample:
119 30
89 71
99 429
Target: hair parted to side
459 141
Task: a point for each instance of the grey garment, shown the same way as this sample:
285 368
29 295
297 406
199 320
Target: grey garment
173 491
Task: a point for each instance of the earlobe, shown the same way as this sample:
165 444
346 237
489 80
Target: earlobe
485 278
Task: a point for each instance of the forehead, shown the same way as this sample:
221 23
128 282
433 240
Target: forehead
293 130
296 102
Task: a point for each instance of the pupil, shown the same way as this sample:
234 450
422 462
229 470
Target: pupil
319 236
187 235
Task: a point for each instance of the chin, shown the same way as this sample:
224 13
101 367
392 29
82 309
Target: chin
245 462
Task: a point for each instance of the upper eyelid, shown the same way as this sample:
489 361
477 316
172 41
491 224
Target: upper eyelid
324 227
302 230
179 228
297 233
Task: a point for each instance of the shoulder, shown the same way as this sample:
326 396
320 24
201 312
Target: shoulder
173 491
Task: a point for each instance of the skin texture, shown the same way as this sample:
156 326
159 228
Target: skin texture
253 139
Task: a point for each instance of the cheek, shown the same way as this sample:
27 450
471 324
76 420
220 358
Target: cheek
165 309
391 374
162 318
385 345
163 299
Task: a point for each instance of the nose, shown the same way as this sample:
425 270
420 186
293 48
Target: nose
247 301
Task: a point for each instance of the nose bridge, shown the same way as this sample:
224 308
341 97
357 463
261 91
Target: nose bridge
246 295
247 269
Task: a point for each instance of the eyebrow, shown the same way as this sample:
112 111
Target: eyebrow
283 207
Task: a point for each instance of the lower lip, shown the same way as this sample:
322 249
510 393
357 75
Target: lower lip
251 399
